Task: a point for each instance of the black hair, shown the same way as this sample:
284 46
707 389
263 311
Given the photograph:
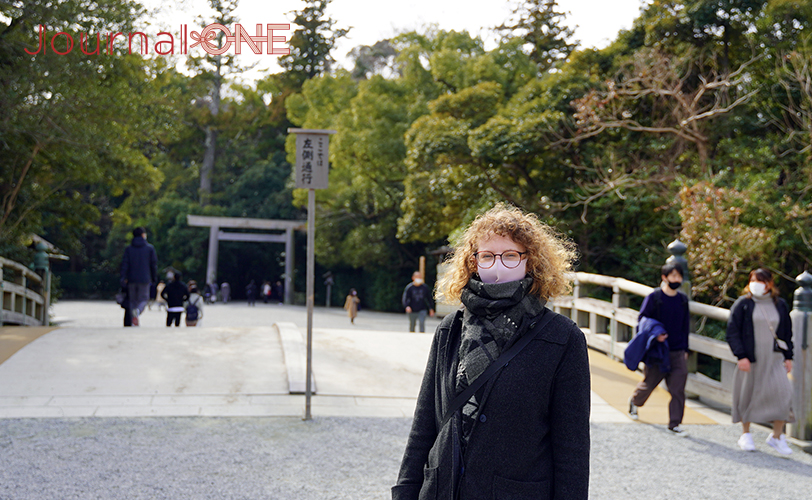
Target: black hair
139 231
178 276
671 267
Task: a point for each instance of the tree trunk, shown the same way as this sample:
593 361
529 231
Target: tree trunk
209 156
207 167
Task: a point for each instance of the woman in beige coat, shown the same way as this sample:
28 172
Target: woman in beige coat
351 305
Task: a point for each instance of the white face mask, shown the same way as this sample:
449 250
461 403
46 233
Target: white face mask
758 288
498 273
418 281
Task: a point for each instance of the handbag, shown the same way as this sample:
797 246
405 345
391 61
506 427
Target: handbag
459 401
778 344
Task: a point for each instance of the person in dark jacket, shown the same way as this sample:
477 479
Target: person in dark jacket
759 333
417 302
251 293
139 269
669 306
524 434
175 294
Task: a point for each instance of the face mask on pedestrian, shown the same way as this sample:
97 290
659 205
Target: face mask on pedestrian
418 281
758 289
674 286
498 273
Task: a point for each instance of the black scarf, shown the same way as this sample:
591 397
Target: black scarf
495 316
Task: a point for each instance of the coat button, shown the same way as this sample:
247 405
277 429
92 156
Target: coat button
482 418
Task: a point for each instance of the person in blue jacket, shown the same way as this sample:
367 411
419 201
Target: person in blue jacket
669 306
647 347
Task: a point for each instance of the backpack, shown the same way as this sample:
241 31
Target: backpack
192 311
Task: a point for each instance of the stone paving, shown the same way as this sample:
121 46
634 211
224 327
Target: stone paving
232 368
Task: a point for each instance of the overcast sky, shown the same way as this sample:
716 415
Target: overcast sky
597 21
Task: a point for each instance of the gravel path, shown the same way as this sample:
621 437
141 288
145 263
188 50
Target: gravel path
348 458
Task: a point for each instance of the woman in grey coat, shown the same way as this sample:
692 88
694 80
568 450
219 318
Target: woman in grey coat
525 433
759 320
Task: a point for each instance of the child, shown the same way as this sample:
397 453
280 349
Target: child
194 308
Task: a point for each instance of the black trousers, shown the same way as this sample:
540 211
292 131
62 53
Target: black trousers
173 316
675 380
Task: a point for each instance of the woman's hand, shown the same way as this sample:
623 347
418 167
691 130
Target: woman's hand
788 365
662 337
744 365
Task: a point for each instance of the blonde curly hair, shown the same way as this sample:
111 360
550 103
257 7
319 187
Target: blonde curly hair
550 255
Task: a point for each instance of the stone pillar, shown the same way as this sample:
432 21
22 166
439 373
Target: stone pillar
802 359
677 250
214 246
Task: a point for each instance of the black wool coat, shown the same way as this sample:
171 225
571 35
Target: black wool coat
740 334
530 439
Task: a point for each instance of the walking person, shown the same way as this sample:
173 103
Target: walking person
351 305
225 292
214 289
484 428
175 294
139 269
251 293
417 302
194 305
266 292
159 300
669 307
279 290
759 333
125 304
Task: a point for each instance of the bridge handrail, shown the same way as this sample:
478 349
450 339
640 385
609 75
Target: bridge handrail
28 273
602 322
624 285
19 304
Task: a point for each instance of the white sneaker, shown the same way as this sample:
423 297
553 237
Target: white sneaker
746 442
632 410
678 431
780 445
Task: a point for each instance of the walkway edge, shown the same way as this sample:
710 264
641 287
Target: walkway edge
294 351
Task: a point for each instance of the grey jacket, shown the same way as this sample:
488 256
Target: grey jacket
531 437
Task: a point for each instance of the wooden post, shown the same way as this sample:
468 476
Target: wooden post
289 260
2 294
422 267
619 299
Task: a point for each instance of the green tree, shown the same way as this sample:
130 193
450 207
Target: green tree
311 44
540 26
74 133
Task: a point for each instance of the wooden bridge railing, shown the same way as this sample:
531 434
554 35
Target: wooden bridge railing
22 302
609 326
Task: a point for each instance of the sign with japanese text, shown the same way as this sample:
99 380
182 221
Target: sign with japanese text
311 160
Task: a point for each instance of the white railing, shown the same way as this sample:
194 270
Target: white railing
608 327
21 305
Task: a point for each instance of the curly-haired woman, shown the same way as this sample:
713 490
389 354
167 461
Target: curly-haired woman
524 433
